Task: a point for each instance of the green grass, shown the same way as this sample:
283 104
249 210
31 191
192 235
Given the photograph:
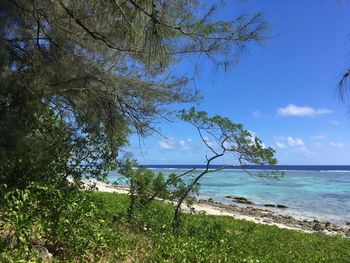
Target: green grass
204 238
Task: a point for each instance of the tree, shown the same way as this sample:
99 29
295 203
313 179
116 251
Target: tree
144 185
222 137
77 77
33 142
343 86
104 67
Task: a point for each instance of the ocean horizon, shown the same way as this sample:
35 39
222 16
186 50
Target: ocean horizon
253 167
320 192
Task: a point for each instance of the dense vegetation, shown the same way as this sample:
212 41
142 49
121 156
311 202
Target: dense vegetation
108 237
77 77
204 238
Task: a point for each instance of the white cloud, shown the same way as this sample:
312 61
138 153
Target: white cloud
337 145
280 145
209 142
167 144
257 114
295 142
303 111
319 137
299 144
253 137
171 144
185 145
280 142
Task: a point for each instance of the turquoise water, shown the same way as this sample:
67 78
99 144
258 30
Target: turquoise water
323 195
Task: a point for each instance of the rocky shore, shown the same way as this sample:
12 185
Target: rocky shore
242 208
266 216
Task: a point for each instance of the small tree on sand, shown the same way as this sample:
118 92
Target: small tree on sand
145 186
222 137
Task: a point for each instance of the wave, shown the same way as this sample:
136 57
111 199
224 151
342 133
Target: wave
334 171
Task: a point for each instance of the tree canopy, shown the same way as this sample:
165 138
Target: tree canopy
104 68
77 77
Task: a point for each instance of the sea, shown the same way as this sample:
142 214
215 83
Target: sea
309 191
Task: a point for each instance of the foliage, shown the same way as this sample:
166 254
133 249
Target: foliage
145 186
65 222
77 78
104 67
33 146
222 137
203 238
226 138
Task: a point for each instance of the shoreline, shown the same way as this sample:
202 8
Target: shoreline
248 213
268 217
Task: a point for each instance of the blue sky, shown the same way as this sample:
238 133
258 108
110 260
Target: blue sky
282 89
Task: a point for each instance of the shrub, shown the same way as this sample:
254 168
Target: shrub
64 221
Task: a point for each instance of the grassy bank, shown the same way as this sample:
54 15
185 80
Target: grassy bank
93 227
205 238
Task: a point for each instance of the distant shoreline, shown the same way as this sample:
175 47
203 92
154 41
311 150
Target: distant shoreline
252 214
254 167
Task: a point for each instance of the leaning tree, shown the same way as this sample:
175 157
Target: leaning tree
102 70
221 137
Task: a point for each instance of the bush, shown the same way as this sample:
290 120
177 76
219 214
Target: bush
66 222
